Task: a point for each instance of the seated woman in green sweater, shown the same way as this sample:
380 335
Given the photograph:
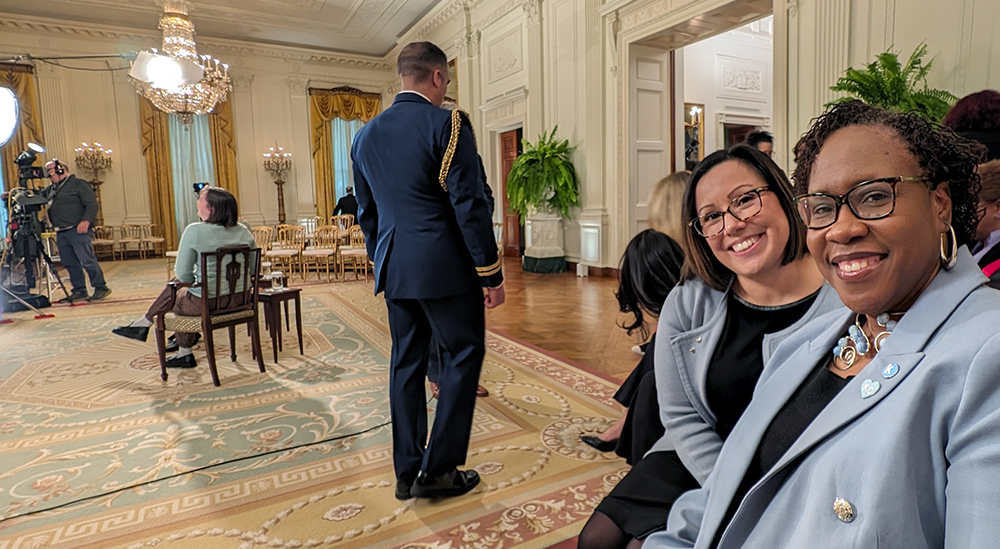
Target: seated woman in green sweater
219 212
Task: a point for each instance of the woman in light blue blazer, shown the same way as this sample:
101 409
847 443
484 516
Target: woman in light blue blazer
875 426
749 284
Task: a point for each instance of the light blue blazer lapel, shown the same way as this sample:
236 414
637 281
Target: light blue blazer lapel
693 351
903 348
769 397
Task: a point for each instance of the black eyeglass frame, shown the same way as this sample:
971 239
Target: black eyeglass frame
840 200
696 223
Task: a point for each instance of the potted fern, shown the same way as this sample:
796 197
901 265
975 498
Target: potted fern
542 186
889 84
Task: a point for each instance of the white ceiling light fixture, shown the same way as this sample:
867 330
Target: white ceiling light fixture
176 79
8 114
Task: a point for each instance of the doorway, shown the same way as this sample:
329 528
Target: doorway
510 148
691 87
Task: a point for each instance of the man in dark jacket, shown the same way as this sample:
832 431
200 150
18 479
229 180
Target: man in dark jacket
427 226
72 213
347 205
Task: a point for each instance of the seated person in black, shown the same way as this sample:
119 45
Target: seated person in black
649 269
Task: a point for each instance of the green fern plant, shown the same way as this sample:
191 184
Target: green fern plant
889 84
543 177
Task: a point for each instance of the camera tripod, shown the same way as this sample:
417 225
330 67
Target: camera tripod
50 272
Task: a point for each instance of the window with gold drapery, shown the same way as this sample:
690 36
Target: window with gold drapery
220 125
21 80
325 105
156 149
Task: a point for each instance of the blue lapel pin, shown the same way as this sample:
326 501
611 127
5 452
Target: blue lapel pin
869 388
891 370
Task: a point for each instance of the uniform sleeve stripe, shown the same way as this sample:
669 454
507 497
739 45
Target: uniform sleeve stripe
488 271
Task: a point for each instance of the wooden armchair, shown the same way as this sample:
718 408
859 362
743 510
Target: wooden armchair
323 250
104 240
263 236
228 302
355 255
131 235
344 224
153 239
286 251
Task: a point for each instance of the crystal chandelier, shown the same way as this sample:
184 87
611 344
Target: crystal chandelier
176 79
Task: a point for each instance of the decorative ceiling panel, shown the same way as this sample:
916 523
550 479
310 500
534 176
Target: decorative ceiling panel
367 27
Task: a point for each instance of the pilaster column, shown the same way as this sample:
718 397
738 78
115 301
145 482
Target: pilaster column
535 123
51 100
129 164
301 176
246 150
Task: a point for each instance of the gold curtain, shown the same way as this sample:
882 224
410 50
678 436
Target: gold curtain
156 149
21 80
220 126
325 105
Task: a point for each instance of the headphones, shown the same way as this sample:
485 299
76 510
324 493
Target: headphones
59 168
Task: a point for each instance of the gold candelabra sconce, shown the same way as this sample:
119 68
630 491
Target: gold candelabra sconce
93 158
277 162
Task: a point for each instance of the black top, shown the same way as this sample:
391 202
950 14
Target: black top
795 416
348 205
739 357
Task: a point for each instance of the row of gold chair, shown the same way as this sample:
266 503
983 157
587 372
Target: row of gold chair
291 251
143 239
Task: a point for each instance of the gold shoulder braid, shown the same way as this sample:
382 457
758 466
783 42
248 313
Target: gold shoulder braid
449 153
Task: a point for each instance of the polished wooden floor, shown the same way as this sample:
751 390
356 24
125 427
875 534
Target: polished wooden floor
573 317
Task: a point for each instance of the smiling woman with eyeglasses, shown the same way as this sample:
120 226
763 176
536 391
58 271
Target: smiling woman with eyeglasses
748 284
875 425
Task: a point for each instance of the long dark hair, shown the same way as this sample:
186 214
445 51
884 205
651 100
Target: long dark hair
701 262
649 269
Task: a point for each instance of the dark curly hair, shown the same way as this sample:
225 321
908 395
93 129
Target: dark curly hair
942 155
649 269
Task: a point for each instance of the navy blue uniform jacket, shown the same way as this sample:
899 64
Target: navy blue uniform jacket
428 238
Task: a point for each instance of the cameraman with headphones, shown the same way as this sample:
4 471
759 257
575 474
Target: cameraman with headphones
72 212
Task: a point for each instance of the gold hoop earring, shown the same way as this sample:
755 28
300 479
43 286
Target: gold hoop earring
949 249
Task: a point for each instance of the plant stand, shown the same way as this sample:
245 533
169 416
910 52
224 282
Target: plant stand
544 244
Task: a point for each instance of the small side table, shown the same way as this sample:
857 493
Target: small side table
272 300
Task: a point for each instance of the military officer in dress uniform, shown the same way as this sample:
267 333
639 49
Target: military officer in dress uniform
429 231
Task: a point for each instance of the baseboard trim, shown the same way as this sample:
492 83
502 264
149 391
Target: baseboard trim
600 272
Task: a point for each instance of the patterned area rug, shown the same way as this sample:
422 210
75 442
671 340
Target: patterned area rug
96 451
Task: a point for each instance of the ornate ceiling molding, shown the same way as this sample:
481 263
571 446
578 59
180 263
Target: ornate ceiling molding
35 25
450 11
508 7
248 49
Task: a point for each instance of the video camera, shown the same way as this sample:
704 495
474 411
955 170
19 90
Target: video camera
24 227
25 168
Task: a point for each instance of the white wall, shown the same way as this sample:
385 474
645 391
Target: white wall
521 63
731 74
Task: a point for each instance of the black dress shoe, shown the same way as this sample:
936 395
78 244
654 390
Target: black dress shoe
99 294
138 333
186 361
403 486
447 485
600 445
172 343
73 297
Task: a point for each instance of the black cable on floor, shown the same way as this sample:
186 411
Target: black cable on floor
168 477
